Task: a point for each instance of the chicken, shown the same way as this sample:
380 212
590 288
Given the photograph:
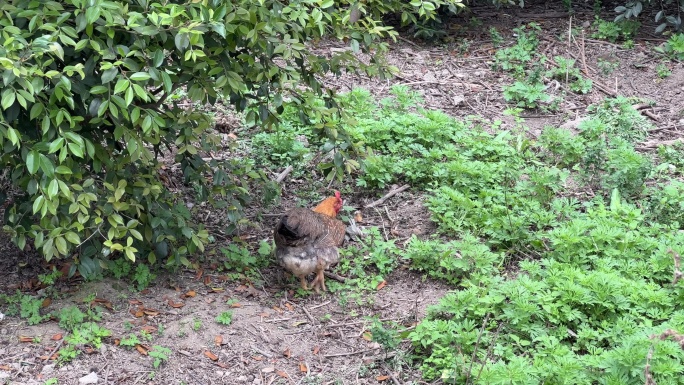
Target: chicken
307 240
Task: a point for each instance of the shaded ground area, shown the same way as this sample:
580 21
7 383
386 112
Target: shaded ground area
277 337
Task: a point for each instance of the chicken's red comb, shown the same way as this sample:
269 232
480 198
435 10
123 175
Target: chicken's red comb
337 195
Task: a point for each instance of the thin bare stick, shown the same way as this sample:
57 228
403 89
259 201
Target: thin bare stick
347 353
319 305
283 174
308 315
391 374
677 265
477 343
647 369
277 320
387 196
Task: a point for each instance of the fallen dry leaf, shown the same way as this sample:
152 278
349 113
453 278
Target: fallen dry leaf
141 349
316 349
367 336
5 368
281 374
381 285
103 302
176 305
190 294
235 305
358 217
56 337
199 274
216 290
207 280
151 312
303 368
210 355
288 306
135 302
218 340
268 369
149 329
25 339
382 378
46 302
287 353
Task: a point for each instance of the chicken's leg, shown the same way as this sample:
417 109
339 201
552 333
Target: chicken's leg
303 282
319 281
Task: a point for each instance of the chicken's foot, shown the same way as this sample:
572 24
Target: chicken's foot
319 281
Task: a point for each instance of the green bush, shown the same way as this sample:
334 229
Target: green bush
87 112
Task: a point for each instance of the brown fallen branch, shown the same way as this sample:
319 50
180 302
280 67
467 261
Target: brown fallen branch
283 174
387 196
654 145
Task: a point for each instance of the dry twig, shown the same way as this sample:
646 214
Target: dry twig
387 196
283 174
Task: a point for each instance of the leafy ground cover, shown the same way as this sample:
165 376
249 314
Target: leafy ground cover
523 252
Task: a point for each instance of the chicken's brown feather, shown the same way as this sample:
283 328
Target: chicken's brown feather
307 241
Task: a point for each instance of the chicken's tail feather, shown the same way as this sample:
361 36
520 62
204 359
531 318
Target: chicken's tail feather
287 230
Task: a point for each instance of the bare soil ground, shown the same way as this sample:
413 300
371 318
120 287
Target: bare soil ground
278 338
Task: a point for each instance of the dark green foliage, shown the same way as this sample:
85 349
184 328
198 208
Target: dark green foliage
88 108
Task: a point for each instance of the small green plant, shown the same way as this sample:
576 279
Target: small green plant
30 309
128 326
516 58
496 37
143 277
120 267
663 70
673 47
453 261
147 336
561 147
626 170
50 278
86 333
526 95
51 381
370 263
614 31
240 260
196 324
131 341
388 338
225 318
568 73
160 354
607 65
620 119
70 317
666 204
